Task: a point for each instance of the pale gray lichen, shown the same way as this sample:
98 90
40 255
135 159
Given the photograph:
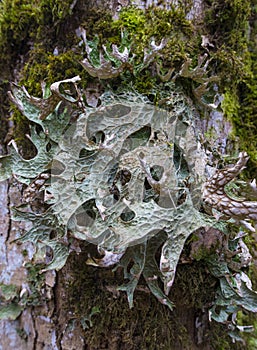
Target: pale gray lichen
126 169
122 174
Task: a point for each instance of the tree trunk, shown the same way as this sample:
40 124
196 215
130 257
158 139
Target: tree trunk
79 307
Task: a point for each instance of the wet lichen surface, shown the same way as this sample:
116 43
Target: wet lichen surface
52 60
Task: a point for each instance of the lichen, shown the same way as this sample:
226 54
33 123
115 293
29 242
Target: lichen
228 57
136 138
128 177
215 196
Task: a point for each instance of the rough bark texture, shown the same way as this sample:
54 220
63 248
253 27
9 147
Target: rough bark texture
46 326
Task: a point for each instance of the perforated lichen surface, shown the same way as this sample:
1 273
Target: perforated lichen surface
130 178
127 171
121 174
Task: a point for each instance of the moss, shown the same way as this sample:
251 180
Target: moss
133 19
149 325
157 23
46 67
23 22
43 65
24 252
245 121
36 282
135 328
231 26
22 333
18 20
230 104
227 23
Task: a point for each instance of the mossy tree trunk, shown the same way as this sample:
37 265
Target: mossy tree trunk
79 306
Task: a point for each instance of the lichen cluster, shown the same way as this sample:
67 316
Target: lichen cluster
128 177
179 66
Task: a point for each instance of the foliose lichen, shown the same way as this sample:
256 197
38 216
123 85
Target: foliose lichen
129 177
175 63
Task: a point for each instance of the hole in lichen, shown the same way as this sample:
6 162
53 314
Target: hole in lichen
147 185
115 192
156 172
137 138
149 193
38 129
98 137
27 149
180 162
127 215
69 91
151 97
53 234
85 153
87 214
48 147
123 176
